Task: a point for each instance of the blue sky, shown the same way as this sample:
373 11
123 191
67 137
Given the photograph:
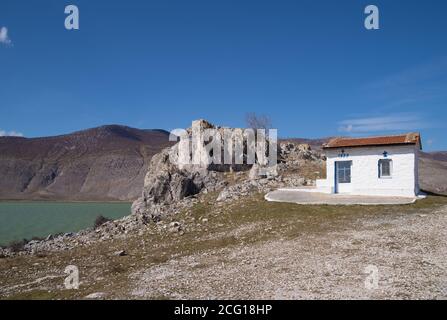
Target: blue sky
310 65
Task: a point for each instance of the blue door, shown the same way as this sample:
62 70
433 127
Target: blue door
342 176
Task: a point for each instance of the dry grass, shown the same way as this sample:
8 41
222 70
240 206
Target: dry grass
244 222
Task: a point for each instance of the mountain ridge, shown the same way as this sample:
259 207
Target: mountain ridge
101 163
109 162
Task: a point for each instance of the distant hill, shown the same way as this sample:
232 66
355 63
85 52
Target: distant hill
433 172
104 163
437 155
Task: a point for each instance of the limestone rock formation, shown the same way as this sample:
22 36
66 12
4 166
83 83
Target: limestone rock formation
170 180
166 183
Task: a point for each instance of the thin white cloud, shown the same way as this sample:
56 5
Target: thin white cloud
4 38
416 75
409 88
395 122
13 133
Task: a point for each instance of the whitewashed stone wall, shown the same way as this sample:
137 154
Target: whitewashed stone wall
364 171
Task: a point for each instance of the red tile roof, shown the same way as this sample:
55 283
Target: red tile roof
409 138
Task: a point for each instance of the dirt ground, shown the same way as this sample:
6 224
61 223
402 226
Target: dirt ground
255 249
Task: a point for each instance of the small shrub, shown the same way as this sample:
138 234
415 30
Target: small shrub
17 246
38 238
100 220
41 255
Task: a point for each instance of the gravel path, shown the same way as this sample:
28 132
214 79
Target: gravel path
400 256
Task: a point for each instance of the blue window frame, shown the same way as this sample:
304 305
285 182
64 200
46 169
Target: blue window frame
344 171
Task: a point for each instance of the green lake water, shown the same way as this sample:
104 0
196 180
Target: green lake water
24 220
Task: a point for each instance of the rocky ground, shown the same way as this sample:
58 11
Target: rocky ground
207 232
408 250
253 249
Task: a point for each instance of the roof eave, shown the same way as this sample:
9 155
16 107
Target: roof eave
374 145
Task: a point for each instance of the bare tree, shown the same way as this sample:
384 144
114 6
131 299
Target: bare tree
256 121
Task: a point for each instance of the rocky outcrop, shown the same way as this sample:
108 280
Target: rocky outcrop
167 182
293 155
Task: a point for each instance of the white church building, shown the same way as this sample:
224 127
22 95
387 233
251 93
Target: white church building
374 166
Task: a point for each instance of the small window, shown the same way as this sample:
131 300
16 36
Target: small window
385 168
344 171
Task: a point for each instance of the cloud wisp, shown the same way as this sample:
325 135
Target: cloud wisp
416 75
13 133
421 84
4 37
395 122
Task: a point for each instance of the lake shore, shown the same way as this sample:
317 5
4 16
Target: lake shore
28 219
